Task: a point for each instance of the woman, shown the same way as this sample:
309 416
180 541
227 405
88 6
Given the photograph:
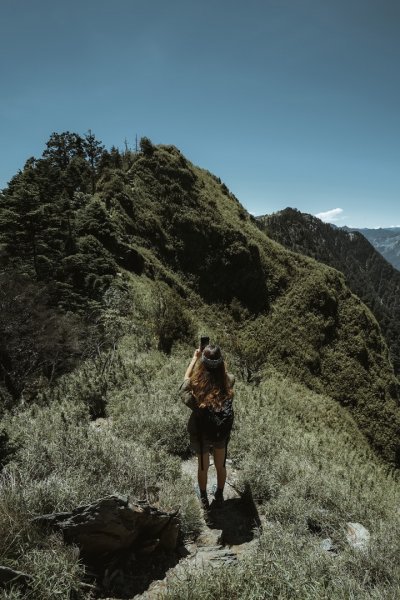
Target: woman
207 390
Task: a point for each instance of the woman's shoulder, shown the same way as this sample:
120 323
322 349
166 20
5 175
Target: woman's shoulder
185 392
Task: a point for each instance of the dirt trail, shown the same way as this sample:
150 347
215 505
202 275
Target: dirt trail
229 532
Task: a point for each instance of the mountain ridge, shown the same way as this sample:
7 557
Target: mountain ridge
102 305
158 215
368 274
386 240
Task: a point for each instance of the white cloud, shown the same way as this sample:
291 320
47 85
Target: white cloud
330 216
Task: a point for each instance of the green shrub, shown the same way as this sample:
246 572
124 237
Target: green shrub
66 461
171 321
149 409
178 495
6 449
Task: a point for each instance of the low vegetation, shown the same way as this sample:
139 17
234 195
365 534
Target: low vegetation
155 252
308 467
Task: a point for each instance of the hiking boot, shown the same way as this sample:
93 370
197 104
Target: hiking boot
218 497
202 496
205 503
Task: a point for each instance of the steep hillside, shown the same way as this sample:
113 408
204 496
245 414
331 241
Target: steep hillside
301 462
302 318
367 273
386 241
112 267
183 218
156 214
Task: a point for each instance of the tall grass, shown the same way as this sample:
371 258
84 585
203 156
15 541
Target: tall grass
310 471
301 454
286 565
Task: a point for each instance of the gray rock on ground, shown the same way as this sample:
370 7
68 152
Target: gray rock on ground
357 536
114 523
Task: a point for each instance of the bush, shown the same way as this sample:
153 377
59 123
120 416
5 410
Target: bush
149 409
171 321
56 570
6 449
146 146
68 461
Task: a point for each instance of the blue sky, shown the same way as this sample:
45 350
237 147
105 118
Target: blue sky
290 102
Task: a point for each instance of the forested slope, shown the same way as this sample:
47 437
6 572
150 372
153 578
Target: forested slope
367 273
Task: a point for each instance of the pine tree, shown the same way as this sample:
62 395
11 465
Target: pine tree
146 146
94 150
62 147
25 222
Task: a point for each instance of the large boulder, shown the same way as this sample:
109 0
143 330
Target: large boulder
114 523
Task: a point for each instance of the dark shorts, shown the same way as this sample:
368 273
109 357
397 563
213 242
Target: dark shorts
207 444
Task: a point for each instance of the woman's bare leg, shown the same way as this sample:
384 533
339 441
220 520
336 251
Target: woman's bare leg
202 473
219 458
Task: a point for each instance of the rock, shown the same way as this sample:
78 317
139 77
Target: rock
218 554
357 536
328 545
209 537
9 578
112 523
101 424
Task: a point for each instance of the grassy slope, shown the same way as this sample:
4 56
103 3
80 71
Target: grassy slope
196 236
301 453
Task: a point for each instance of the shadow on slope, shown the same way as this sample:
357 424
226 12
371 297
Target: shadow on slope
237 519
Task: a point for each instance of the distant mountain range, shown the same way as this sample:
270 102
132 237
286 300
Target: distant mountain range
386 241
367 273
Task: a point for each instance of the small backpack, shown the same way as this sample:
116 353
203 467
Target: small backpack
215 425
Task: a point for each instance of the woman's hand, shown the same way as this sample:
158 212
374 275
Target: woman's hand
197 353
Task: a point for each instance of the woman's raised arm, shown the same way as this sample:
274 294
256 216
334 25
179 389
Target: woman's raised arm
189 370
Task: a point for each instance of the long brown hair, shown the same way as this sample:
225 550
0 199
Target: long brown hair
210 384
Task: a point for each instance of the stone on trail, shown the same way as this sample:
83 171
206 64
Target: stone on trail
357 536
328 545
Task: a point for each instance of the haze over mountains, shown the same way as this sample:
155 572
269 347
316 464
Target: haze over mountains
386 241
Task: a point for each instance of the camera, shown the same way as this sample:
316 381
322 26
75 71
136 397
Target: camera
204 341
